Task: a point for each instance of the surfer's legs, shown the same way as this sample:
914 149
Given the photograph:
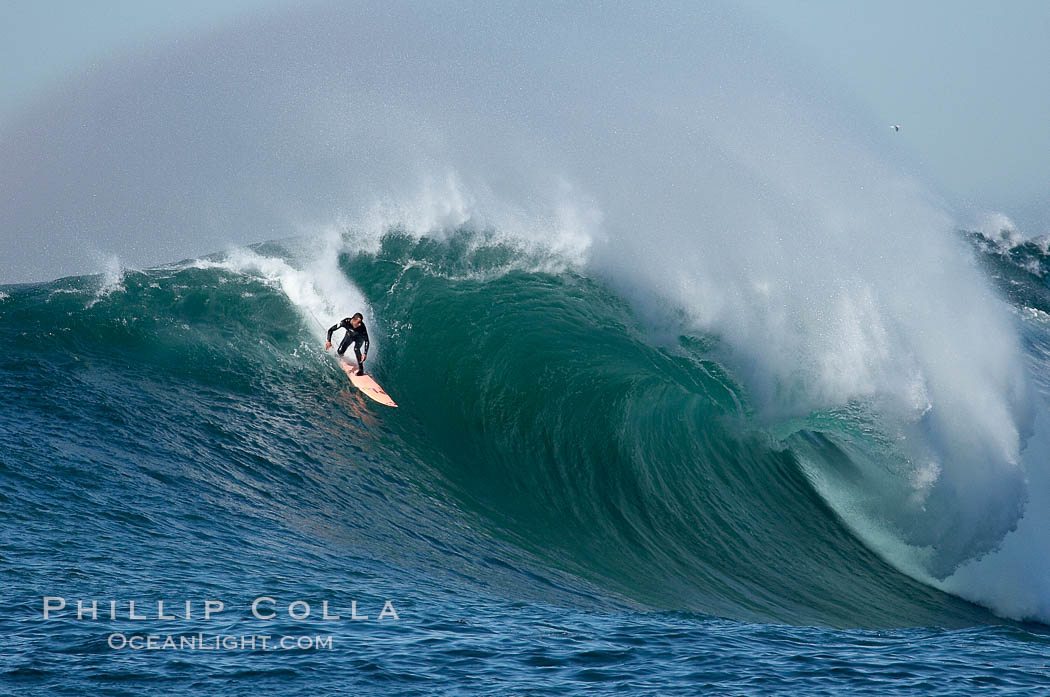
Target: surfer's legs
360 365
344 344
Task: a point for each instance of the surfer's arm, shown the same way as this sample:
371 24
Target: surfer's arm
328 339
364 346
341 323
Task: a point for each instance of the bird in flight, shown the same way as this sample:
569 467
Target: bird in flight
895 128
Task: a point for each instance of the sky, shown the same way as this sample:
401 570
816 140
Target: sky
44 41
968 83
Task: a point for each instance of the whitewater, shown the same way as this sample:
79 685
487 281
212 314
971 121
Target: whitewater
700 383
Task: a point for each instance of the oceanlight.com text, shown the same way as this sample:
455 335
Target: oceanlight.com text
218 642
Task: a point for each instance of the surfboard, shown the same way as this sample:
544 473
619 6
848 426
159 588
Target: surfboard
367 385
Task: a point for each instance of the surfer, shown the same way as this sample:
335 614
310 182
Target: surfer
356 333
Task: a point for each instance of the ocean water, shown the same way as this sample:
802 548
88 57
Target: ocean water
569 500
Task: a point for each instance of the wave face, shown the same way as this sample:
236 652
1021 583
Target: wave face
545 426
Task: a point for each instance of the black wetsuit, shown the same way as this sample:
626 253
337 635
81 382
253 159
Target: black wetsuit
358 336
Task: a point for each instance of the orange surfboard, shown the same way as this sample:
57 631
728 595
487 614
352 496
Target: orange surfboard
367 385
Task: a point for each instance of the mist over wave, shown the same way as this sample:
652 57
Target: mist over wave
678 157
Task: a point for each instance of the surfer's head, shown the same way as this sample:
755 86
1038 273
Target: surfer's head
356 320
